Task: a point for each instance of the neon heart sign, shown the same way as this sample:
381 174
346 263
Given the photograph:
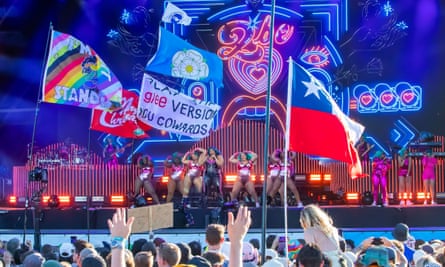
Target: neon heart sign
245 47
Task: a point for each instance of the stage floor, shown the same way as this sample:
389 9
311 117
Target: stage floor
345 217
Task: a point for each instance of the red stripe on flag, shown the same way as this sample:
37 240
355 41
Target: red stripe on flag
318 133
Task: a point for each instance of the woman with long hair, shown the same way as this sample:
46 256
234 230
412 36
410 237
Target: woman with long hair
145 178
319 230
193 162
175 170
213 162
273 179
287 172
245 161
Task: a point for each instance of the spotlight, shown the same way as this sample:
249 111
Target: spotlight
53 201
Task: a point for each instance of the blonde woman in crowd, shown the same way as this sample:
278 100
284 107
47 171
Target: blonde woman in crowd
319 230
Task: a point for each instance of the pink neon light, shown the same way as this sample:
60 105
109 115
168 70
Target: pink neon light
244 101
246 50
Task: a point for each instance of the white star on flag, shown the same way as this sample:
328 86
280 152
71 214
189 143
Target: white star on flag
313 87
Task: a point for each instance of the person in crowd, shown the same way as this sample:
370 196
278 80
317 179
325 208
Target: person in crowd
405 176
215 258
145 178
213 162
175 170
245 161
79 245
143 259
310 255
401 234
319 230
287 172
94 260
429 163
194 162
168 255
380 167
214 237
195 247
273 179
185 252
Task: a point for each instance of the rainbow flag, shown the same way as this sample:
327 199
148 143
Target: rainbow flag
75 75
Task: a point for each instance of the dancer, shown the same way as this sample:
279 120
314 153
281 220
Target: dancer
287 173
380 167
405 177
319 230
245 161
145 178
213 162
175 169
194 162
273 179
429 163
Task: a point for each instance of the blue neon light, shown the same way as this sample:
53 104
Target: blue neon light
384 97
125 16
335 55
402 25
387 8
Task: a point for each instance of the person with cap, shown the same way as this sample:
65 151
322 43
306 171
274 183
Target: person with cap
52 263
250 255
271 259
401 234
380 167
34 259
66 251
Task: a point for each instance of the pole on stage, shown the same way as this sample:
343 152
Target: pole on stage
267 130
87 176
36 213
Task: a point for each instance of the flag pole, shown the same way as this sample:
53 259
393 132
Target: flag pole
37 237
286 144
267 130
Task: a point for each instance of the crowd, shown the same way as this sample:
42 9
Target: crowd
322 246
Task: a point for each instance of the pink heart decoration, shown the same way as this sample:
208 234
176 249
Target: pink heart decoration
258 73
252 76
408 96
387 98
366 99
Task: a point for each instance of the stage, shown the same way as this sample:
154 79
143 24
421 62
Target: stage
345 217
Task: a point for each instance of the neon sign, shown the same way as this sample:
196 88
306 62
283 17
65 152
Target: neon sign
316 56
386 98
244 45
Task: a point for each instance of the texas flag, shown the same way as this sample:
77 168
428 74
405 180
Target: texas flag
317 125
